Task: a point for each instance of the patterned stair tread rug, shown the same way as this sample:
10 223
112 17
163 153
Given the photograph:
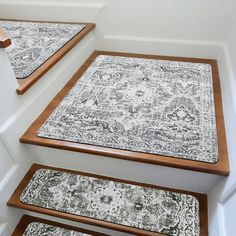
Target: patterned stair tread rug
143 105
41 229
146 208
33 43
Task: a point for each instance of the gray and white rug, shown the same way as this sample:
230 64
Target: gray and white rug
151 209
144 105
41 229
34 43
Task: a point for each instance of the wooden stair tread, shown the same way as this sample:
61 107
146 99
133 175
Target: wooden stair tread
27 83
27 220
15 201
219 168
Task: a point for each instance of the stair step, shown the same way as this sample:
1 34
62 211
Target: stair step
218 165
30 225
33 74
122 205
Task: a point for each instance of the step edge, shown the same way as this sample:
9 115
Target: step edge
27 219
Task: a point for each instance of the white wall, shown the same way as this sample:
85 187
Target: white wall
7 81
222 197
171 19
169 27
167 19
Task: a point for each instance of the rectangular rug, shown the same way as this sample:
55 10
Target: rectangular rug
33 43
146 208
143 105
41 229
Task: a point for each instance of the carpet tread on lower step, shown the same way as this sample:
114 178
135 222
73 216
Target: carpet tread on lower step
122 205
30 225
152 109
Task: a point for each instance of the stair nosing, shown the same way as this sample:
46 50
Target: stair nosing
26 220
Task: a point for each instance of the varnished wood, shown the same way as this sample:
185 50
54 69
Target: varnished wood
220 168
5 41
28 82
26 220
15 202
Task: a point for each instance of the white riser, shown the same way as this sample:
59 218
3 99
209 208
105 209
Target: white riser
123 169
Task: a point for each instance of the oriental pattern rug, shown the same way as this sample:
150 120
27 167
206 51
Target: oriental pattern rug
142 105
33 43
146 208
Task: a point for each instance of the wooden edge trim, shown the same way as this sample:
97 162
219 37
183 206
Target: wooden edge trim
15 202
27 83
26 220
219 168
5 41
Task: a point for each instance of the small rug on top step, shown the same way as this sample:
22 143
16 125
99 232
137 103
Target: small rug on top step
144 105
33 43
115 201
41 229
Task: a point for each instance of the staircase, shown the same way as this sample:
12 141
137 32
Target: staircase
143 173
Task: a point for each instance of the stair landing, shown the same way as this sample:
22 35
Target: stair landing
220 168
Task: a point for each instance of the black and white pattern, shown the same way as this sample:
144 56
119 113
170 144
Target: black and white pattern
145 208
152 106
41 229
33 43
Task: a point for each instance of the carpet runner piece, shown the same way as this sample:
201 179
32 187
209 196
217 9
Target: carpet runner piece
144 105
145 208
34 43
41 229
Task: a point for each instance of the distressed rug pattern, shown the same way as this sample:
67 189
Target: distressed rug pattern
144 105
146 208
34 43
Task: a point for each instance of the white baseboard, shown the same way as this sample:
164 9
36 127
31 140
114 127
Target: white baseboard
168 47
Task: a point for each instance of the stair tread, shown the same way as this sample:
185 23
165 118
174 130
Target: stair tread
26 83
29 225
35 42
221 167
109 202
